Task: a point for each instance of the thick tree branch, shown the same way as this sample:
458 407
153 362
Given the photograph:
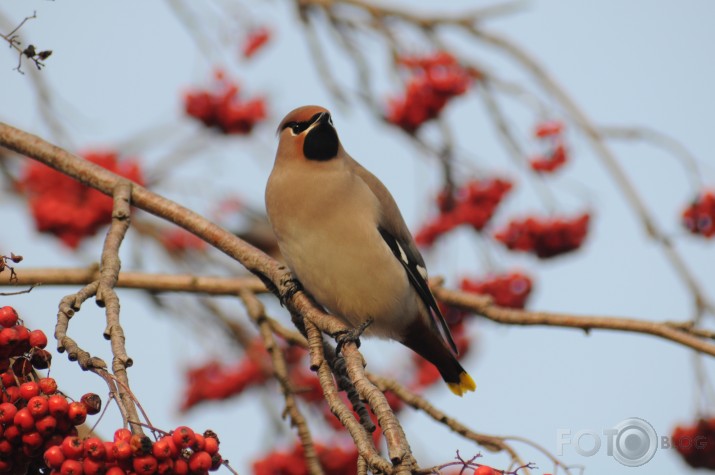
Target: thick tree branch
681 332
484 306
362 439
257 313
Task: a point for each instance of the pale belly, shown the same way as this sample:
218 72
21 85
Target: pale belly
342 277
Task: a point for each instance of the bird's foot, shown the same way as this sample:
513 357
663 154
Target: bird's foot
350 336
289 286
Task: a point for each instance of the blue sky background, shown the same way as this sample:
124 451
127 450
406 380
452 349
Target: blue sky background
118 69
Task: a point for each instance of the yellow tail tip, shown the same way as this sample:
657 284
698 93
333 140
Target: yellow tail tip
466 384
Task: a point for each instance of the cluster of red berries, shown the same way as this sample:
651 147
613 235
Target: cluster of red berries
435 79
508 290
699 217
545 237
224 109
334 460
215 381
473 204
21 350
65 207
551 133
35 418
696 443
179 241
182 452
33 414
254 41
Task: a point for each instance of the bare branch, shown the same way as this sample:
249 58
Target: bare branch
257 313
484 306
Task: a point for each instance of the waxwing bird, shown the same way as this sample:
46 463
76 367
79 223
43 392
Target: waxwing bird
344 239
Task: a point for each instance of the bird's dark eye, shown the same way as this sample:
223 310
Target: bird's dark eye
297 127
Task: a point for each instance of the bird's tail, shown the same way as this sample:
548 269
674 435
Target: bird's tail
425 342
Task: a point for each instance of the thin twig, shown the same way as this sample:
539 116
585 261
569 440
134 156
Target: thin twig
19 292
512 145
490 442
662 140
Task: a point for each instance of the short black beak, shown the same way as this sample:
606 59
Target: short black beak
324 117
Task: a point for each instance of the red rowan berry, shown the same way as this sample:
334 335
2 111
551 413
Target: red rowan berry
13 435
58 405
38 339
71 467
48 386
181 467
23 420
122 434
38 406
8 337
122 450
46 425
7 412
484 470
109 454
161 449
211 445
165 466
199 461
72 447
144 465
11 394
92 467
77 413
54 457
94 448
6 447
183 437
33 441
8 316
8 379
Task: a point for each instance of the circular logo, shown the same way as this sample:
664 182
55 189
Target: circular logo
635 442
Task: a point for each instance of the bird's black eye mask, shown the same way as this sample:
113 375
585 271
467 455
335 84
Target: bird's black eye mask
299 127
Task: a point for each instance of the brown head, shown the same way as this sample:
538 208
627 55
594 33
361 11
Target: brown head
308 133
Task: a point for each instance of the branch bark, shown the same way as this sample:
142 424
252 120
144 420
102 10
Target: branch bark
680 332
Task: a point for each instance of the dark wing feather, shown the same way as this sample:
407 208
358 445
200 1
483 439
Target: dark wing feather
420 284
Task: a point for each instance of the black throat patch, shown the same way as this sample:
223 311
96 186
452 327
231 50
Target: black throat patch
321 143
